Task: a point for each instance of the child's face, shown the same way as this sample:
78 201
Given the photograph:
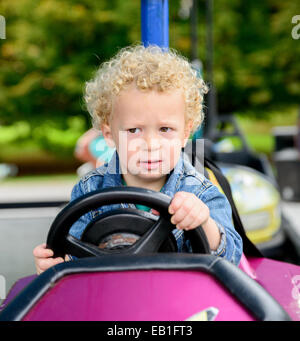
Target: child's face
148 130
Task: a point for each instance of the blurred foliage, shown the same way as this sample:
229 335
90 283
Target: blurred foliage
48 136
256 60
53 47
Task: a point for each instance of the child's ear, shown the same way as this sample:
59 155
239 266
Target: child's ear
106 132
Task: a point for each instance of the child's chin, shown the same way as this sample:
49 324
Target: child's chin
151 175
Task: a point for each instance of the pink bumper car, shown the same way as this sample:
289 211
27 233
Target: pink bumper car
127 269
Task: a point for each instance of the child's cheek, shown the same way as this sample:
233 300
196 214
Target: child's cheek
128 148
171 152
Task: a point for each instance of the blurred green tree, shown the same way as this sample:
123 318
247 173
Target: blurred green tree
52 47
256 60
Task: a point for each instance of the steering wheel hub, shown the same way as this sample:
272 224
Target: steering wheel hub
118 241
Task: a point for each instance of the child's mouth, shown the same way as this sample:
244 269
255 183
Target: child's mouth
150 164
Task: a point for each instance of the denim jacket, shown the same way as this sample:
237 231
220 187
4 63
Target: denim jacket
183 177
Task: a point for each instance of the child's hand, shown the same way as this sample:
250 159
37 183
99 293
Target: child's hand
43 258
188 211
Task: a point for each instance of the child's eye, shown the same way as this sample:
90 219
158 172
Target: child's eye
165 129
133 130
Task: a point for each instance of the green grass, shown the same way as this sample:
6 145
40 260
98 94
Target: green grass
259 133
261 143
42 178
11 153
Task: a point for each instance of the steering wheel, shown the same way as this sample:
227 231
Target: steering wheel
157 232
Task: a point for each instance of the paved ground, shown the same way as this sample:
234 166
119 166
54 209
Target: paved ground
30 191
22 229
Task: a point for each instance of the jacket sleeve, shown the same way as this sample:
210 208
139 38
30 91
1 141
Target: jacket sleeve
231 245
79 226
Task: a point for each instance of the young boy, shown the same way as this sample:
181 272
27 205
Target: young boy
147 102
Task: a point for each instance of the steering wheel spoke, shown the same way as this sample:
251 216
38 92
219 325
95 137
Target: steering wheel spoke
152 239
81 249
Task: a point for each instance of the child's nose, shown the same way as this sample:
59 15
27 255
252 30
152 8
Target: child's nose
152 141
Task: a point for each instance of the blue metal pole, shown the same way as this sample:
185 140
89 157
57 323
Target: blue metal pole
155 22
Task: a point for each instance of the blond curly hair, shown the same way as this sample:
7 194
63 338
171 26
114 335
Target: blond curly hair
149 68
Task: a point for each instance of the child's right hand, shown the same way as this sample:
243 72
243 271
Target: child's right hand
43 258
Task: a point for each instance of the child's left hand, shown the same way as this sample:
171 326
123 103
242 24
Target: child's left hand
188 211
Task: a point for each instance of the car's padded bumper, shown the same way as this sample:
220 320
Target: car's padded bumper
253 296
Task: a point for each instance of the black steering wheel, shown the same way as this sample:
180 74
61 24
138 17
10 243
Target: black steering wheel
157 231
